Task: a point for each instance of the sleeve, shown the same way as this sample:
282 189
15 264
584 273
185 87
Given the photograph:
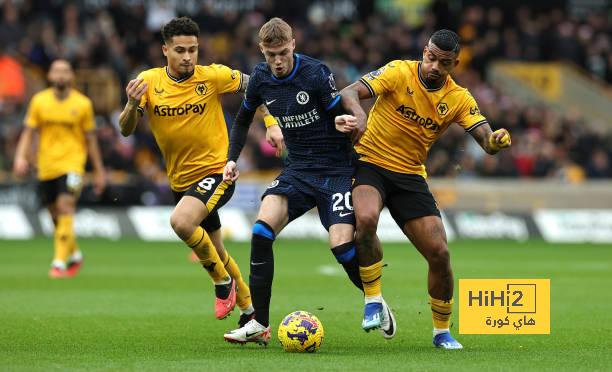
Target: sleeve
88 117
252 99
145 97
228 80
32 119
328 92
468 115
383 80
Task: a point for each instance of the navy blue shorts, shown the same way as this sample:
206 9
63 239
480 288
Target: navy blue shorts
330 194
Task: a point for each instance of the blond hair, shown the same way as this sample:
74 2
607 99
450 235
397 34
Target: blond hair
275 32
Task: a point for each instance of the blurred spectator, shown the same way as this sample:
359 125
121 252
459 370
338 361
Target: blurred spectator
124 37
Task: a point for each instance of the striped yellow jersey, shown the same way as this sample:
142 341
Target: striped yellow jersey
61 124
408 118
186 118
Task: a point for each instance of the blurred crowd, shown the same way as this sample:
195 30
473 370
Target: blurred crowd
123 37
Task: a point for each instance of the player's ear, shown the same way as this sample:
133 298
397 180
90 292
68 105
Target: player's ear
293 44
456 62
261 48
165 50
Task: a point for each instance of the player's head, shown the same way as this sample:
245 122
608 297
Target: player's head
60 74
440 56
277 44
181 36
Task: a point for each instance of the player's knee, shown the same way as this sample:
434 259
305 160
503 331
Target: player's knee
262 229
439 255
367 224
181 225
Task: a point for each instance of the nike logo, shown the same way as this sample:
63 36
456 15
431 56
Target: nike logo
257 263
344 214
251 334
268 103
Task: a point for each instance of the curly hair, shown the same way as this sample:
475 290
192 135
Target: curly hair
182 26
446 40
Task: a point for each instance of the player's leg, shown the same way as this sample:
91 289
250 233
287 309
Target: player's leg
368 198
335 207
185 220
63 236
418 215
212 224
343 247
273 216
428 236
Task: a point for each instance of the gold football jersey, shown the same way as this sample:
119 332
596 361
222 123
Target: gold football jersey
61 125
408 118
186 118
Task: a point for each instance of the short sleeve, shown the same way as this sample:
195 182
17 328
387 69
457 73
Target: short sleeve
32 119
469 115
145 97
327 88
88 117
252 99
383 80
227 80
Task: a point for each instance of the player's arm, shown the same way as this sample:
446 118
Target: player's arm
96 161
351 96
244 82
491 141
237 139
274 135
130 116
21 165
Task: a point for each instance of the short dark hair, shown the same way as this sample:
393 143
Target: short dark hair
446 40
183 26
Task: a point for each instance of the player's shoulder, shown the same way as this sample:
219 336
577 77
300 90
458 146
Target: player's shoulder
152 74
213 68
80 97
308 61
44 94
457 91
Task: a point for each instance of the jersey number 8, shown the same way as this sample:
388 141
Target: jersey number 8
207 183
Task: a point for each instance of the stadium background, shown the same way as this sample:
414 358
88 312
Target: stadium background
540 69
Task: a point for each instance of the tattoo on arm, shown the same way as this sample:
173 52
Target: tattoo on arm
481 134
244 82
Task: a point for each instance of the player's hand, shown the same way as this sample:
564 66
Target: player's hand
20 167
499 139
99 183
135 90
350 124
230 173
275 138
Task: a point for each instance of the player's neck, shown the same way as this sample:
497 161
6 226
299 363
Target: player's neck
61 94
176 76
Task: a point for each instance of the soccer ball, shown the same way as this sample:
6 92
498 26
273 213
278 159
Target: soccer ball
300 332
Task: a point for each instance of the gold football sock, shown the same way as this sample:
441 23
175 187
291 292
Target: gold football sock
441 312
243 295
63 237
206 252
370 277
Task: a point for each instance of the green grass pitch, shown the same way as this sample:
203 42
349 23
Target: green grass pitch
143 307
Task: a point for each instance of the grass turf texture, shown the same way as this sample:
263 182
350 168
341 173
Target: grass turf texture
143 306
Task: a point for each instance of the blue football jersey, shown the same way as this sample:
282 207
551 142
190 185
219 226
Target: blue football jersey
300 103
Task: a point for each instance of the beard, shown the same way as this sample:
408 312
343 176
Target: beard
61 86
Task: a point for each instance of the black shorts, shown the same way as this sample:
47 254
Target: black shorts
304 191
406 195
214 193
49 190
